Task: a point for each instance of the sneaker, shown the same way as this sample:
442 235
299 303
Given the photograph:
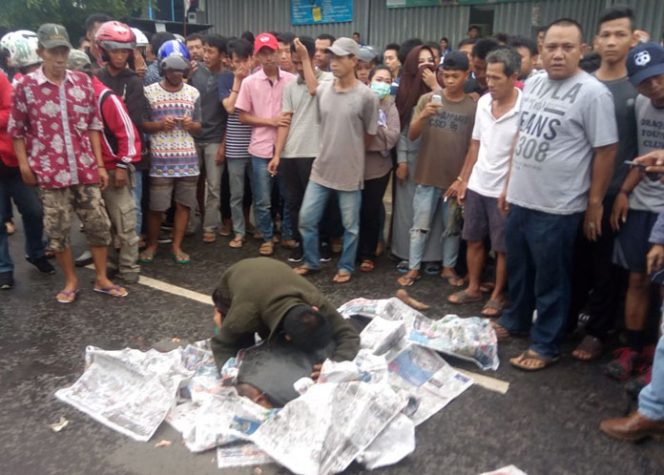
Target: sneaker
6 280
84 259
42 265
625 361
165 238
296 255
634 386
325 253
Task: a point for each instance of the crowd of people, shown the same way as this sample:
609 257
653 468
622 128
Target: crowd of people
525 173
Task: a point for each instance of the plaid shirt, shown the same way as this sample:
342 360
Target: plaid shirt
54 120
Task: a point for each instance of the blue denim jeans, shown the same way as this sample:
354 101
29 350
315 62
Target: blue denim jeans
238 169
261 187
311 213
539 262
425 202
651 398
287 231
32 215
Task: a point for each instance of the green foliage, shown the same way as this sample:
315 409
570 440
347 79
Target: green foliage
29 14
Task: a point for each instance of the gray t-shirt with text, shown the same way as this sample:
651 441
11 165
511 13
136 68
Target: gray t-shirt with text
648 194
560 123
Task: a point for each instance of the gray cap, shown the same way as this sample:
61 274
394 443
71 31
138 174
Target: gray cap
344 47
79 61
175 62
51 35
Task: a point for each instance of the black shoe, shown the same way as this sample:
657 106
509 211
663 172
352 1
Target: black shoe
296 255
42 265
6 280
325 253
84 259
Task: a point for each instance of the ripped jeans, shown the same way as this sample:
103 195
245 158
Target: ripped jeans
425 203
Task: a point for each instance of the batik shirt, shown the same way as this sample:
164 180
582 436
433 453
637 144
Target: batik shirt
54 120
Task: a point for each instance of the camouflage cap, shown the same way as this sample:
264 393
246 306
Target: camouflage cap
52 35
79 61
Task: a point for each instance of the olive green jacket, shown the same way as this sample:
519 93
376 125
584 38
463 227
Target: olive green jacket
260 291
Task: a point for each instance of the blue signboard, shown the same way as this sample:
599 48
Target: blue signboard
313 12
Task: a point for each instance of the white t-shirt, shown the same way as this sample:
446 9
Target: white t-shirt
560 123
648 194
496 137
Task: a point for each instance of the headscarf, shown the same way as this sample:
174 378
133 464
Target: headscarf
411 85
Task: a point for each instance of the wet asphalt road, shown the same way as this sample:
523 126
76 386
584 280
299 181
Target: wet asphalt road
545 424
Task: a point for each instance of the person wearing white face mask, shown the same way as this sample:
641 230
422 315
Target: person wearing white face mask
378 165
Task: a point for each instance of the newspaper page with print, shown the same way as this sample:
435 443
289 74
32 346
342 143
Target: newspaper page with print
241 454
128 390
325 429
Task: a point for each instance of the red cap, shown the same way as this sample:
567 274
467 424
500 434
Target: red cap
265 40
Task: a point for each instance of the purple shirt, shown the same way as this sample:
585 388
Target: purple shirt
260 97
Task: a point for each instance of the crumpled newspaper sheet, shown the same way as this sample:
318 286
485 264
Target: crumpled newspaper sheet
471 338
128 390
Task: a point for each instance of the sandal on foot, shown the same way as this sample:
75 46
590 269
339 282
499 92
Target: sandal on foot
487 287
367 265
112 290
532 361
493 308
502 333
342 277
304 270
180 258
408 280
237 242
589 349
454 280
266 249
67 296
209 237
463 297
146 257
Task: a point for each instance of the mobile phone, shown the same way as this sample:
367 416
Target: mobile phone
437 99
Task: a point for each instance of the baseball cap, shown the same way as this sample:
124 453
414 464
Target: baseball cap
51 35
645 61
265 40
456 60
344 47
175 62
366 54
79 61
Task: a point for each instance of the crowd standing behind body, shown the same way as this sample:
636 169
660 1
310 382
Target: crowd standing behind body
542 162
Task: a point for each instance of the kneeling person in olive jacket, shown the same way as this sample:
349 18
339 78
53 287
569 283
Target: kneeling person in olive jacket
265 296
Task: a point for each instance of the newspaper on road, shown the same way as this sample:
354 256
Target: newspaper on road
241 454
128 390
472 338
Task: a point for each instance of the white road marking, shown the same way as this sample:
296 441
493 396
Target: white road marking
487 382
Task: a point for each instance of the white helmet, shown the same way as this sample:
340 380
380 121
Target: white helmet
22 47
141 39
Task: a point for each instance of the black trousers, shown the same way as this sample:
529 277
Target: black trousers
372 202
598 285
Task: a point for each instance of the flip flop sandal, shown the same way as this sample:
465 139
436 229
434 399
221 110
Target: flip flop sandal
454 280
463 297
342 277
209 237
487 287
407 280
591 346
113 291
303 270
502 333
237 242
367 265
181 259
542 362
67 296
146 257
266 249
493 304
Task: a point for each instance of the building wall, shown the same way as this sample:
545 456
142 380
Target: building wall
380 25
